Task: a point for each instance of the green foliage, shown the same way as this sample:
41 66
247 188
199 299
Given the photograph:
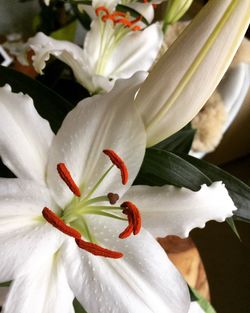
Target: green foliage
205 305
78 308
179 142
162 167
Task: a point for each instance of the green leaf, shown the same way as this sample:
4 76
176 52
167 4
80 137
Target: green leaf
49 104
231 223
65 33
205 305
162 167
238 191
6 284
78 308
179 142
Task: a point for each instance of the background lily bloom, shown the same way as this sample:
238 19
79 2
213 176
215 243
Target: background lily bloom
53 223
115 47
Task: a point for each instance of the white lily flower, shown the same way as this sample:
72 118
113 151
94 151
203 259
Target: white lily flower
195 308
193 67
53 224
113 48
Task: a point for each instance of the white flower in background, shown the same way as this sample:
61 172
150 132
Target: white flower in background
115 47
61 218
193 66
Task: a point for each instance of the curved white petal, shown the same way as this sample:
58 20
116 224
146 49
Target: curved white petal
68 52
144 280
24 237
109 4
192 67
43 289
169 210
195 308
107 121
25 136
145 9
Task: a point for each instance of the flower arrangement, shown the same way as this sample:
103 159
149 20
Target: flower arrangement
91 178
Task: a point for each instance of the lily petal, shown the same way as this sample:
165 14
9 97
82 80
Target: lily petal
24 237
144 280
169 210
195 308
25 136
43 288
193 67
98 123
69 53
145 9
109 4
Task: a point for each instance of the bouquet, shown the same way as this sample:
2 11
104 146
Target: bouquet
95 155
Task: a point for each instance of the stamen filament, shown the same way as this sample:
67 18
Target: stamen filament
81 225
102 213
98 183
94 200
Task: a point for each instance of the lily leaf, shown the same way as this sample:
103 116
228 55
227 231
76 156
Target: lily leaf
239 191
179 142
78 308
204 304
6 284
162 167
49 104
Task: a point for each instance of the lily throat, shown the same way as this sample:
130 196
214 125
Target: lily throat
72 220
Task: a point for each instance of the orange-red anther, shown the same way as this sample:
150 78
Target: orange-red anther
67 178
117 161
58 223
129 229
98 250
134 217
136 28
101 9
137 19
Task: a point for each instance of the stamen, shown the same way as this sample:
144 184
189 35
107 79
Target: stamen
67 178
101 9
134 219
98 250
129 229
117 161
58 223
113 197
